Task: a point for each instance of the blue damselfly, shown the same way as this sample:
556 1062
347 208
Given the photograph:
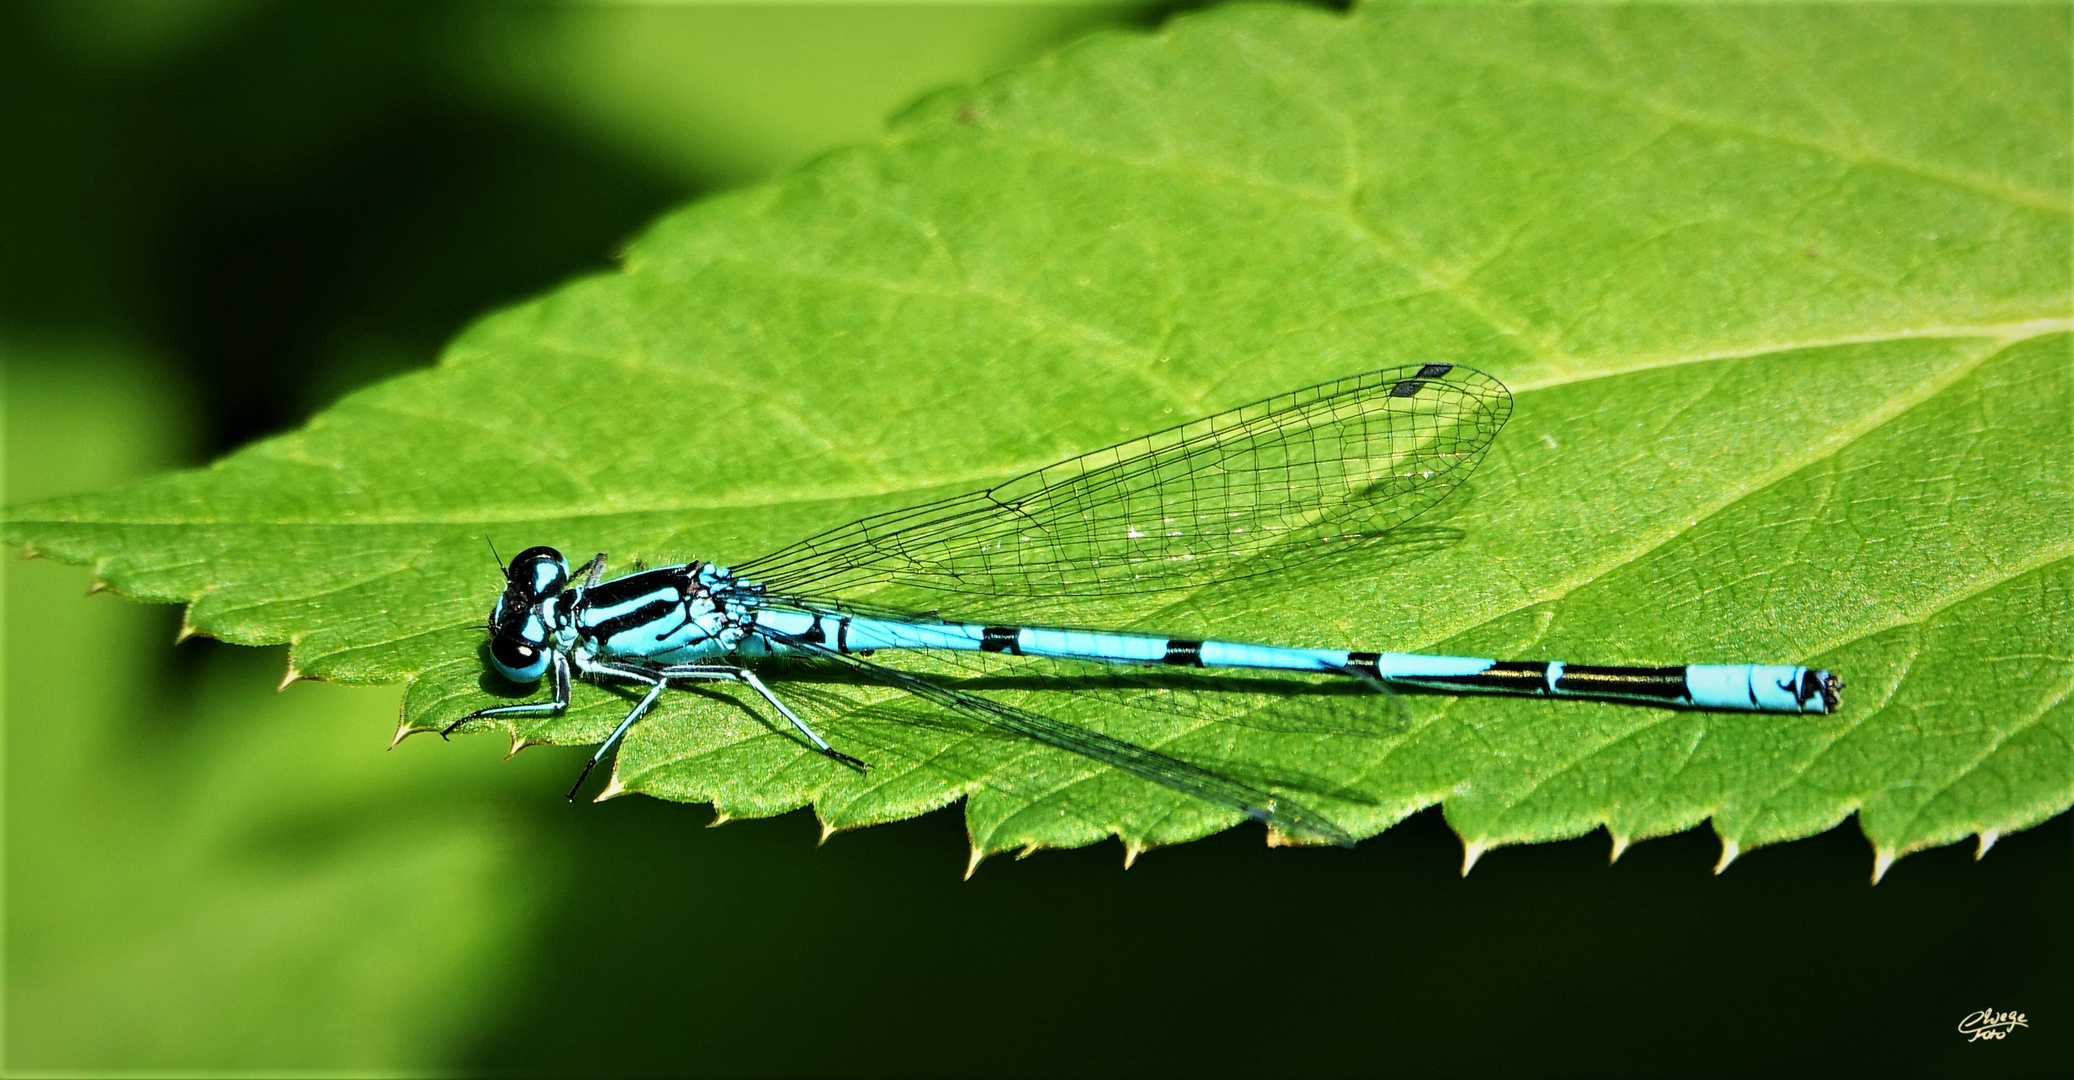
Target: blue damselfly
1258 490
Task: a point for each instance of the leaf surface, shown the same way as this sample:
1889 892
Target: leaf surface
1783 294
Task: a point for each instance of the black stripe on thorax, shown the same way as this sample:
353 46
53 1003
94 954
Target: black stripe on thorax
1184 653
634 586
640 616
1006 639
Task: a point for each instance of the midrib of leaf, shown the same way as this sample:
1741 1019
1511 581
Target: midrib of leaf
2003 334
1545 346
1890 412
1042 321
1453 286
1863 712
1873 420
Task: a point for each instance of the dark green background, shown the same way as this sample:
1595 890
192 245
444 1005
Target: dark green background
218 218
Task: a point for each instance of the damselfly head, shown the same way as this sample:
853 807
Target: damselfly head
518 638
535 574
517 659
518 632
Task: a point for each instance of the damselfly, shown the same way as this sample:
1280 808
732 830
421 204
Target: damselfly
1254 491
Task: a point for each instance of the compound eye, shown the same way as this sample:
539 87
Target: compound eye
517 660
539 571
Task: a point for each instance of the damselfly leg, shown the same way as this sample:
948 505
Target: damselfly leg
655 683
745 676
658 678
560 670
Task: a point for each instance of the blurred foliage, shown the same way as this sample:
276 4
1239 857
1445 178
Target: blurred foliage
205 874
238 209
723 94
294 199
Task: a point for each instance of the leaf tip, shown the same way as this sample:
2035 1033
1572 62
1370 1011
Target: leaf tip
518 742
1620 847
187 630
1882 858
96 586
288 678
1984 841
827 831
720 817
1729 852
978 856
613 789
404 730
1472 850
1131 853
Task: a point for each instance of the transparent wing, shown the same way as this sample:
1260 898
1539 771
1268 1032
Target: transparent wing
1249 491
1284 814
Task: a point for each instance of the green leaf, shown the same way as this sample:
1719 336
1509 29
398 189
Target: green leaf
1784 295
